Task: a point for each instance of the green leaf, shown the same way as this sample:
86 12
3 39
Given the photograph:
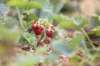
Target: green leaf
28 38
95 20
96 31
34 5
81 22
75 42
17 3
42 1
75 59
71 23
57 5
60 47
25 4
67 47
65 22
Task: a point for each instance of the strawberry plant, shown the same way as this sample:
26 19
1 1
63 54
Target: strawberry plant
36 33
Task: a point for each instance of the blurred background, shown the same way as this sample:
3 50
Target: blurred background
70 7
77 20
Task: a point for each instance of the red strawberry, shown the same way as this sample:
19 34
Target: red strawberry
38 29
49 33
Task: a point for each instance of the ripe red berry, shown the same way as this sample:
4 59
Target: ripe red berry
37 29
49 33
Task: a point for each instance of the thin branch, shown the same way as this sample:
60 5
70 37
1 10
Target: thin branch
86 35
20 19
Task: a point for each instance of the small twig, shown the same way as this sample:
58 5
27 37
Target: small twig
20 19
86 35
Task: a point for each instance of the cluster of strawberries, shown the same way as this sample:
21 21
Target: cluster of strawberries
40 29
